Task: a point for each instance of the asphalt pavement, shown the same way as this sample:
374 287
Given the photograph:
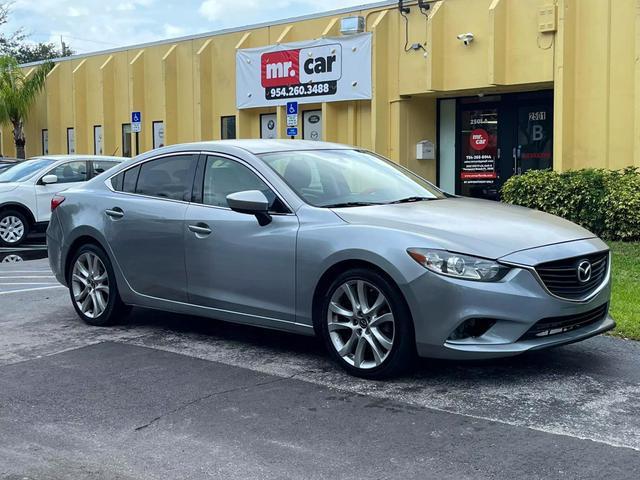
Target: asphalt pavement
168 396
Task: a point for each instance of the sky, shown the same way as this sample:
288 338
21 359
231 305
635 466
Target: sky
93 25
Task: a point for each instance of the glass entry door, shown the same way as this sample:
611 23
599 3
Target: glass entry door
499 137
479 154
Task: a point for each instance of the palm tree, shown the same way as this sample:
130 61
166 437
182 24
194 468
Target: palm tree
18 92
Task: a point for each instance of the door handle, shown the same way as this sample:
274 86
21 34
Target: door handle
115 212
200 229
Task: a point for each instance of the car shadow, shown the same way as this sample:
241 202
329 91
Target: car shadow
570 360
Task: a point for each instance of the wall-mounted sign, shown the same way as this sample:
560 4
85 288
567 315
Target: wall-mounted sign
322 70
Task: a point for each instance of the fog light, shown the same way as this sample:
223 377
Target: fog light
472 328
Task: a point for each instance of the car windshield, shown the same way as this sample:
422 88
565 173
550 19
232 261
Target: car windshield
345 178
23 170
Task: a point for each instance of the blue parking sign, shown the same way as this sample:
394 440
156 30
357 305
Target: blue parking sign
136 117
292 108
292 131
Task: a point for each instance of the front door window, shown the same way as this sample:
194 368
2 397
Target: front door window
535 134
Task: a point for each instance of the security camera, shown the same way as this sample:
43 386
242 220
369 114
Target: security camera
466 38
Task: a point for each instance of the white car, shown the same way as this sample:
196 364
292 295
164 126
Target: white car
27 188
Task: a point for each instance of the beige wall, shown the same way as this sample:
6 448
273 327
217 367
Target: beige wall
589 61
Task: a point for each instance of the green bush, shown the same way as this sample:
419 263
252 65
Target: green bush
606 202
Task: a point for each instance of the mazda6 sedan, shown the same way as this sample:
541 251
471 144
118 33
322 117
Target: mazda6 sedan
325 239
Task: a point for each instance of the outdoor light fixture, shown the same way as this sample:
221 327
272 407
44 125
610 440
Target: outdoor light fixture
466 38
351 25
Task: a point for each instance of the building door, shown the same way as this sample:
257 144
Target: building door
499 137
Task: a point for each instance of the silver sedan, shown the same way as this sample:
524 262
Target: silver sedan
324 239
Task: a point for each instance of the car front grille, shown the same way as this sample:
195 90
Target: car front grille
561 277
556 325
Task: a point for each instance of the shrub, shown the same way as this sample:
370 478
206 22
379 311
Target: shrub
606 202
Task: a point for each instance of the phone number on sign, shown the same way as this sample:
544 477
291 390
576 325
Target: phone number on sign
309 90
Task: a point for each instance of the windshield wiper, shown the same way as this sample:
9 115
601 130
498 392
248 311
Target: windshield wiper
410 200
350 204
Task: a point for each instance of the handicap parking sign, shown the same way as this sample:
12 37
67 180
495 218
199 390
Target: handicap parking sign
292 108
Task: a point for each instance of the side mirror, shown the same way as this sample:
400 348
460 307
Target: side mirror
252 202
48 179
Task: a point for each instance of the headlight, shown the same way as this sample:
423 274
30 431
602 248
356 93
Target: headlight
459 266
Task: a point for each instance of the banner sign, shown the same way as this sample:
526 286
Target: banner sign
322 70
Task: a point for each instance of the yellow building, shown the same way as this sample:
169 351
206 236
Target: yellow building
464 92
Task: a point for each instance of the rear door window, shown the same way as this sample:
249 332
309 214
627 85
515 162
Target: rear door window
101 166
167 177
130 178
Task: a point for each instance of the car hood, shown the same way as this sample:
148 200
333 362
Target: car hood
7 187
478 227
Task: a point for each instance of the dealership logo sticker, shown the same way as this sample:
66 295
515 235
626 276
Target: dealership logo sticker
479 139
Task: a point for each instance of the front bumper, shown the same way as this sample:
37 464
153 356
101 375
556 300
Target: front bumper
441 304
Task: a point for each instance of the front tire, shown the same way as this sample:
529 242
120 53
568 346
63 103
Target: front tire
93 288
366 325
14 228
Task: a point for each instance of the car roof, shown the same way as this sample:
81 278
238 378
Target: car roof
258 146
79 157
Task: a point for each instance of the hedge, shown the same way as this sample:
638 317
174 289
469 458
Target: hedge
606 202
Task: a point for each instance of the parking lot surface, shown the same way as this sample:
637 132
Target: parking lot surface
169 396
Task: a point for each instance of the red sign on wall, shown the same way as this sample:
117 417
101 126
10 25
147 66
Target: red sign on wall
280 68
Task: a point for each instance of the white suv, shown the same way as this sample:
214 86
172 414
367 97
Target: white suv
26 190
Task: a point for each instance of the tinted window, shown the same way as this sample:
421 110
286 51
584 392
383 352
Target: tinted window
167 177
70 172
100 166
130 179
223 177
228 127
116 182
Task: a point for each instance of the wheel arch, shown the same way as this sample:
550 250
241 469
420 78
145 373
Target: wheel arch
19 207
75 245
342 266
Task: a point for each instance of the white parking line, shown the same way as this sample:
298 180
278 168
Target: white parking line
31 289
26 271
20 277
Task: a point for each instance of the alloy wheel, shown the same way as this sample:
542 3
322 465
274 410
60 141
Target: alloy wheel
11 229
361 324
90 285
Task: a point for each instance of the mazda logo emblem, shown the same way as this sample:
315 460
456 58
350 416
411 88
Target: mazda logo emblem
584 271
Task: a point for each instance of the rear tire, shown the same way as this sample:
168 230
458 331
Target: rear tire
14 228
366 325
93 289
